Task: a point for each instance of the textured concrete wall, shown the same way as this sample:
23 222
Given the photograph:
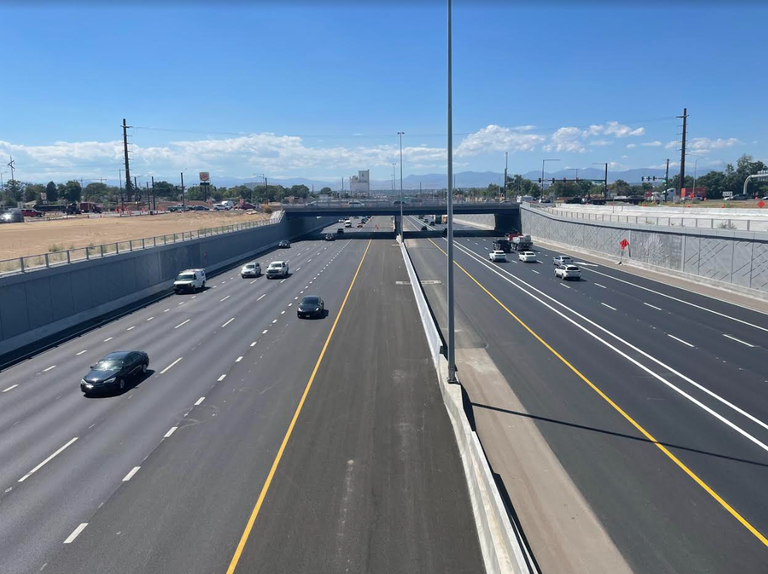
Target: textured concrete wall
43 303
733 259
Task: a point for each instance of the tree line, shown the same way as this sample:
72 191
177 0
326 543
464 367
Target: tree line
109 195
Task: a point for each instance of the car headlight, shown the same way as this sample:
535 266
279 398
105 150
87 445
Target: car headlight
112 380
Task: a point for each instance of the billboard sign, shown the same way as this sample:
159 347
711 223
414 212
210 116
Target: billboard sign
205 176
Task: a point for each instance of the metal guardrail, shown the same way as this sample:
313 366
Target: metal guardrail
698 222
29 263
407 202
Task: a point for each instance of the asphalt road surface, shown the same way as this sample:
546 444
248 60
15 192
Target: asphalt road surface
222 459
653 399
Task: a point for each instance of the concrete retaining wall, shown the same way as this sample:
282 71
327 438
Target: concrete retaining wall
37 306
734 260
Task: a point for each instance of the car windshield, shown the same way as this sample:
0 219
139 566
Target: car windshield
250 265
310 301
275 265
108 365
186 277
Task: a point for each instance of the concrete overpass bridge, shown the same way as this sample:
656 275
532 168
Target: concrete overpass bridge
506 215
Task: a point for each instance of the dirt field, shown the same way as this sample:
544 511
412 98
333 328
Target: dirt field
37 237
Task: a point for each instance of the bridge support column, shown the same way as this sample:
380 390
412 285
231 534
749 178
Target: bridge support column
506 222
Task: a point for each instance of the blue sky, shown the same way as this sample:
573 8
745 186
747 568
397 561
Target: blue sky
293 89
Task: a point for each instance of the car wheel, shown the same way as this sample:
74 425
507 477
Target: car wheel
121 384
144 369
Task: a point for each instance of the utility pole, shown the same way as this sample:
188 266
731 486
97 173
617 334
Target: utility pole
137 188
682 151
120 184
666 181
12 165
127 167
449 211
401 183
506 164
154 198
183 203
149 205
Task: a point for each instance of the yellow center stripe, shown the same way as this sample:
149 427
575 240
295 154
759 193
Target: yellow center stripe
276 462
634 423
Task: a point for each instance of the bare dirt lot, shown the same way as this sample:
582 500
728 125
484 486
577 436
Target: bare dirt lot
37 237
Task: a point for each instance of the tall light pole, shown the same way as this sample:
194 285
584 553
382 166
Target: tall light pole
449 211
401 183
542 173
506 165
695 173
605 181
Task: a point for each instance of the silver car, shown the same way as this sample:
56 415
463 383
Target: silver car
252 269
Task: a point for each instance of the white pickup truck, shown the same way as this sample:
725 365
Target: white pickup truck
277 269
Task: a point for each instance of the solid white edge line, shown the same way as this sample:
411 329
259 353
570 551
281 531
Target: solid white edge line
171 365
607 305
10 388
75 533
170 432
739 341
199 401
634 348
133 471
46 461
652 306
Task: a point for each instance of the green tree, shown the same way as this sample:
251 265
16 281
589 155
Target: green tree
72 191
95 191
326 190
620 187
194 193
14 192
301 191
165 190
51 192
32 191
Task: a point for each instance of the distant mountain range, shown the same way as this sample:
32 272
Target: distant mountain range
439 181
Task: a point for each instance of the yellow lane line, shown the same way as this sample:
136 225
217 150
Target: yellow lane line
276 462
634 423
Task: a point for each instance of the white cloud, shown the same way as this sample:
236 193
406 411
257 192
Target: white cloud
631 146
656 143
699 144
497 139
613 129
600 142
664 165
672 144
568 140
625 157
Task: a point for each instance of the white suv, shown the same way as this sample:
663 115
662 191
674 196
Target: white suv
190 280
277 269
497 256
568 272
562 260
252 269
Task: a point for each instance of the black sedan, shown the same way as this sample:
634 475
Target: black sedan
309 307
284 244
115 371
329 237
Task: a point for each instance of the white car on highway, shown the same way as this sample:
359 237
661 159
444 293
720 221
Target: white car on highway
562 260
189 280
568 272
252 269
527 256
497 256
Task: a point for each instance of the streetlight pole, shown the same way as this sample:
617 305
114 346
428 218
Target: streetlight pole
449 211
401 183
506 165
542 173
695 173
605 181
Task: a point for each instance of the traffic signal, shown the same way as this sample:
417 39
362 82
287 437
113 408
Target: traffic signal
539 180
565 180
553 180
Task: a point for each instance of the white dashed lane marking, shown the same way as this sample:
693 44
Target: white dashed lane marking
75 533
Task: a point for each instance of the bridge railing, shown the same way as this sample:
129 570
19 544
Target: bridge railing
409 202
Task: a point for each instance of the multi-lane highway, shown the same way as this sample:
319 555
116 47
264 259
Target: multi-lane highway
257 442
627 418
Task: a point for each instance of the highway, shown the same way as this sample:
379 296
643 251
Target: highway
623 414
257 442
